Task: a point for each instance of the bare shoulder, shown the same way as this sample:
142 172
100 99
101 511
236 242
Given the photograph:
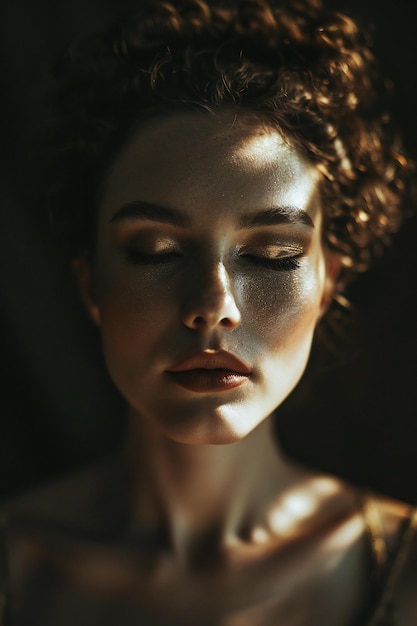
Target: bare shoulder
87 501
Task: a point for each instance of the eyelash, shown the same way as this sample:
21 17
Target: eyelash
143 258
281 264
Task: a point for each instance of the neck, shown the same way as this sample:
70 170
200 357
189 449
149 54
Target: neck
202 491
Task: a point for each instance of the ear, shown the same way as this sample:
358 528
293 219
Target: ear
83 273
333 264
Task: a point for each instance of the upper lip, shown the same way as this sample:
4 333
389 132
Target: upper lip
210 360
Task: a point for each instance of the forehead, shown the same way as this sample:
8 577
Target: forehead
191 160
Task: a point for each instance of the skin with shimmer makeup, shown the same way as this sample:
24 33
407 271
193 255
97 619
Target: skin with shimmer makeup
214 244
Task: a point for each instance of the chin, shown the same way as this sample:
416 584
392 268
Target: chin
220 426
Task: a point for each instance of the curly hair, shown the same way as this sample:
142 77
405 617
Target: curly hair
308 71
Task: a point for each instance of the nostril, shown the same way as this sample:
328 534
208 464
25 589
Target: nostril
199 322
212 306
227 323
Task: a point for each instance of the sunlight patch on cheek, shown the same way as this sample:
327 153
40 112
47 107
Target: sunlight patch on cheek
307 294
294 334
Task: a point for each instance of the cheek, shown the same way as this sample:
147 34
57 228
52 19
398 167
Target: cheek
281 332
133 313
283 309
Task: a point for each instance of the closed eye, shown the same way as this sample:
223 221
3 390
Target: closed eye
282 264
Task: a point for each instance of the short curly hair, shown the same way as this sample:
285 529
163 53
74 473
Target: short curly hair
308 71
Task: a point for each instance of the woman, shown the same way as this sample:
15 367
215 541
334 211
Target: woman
225 170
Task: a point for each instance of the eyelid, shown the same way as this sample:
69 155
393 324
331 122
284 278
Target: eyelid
278 263
152 246
278 250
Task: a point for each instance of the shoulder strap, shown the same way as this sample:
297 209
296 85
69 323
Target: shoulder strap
377 542
393 570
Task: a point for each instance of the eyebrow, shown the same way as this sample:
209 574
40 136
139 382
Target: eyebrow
277 215
138 210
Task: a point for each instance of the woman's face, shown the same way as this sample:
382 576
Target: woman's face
209 241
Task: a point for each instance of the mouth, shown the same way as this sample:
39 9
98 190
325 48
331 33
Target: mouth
210 371
208 380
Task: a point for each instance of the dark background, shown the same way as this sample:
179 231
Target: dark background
58 409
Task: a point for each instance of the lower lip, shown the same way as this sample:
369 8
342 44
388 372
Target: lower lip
207 380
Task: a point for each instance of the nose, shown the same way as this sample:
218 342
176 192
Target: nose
210 302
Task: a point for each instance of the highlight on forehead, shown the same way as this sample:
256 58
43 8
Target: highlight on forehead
262 146
252 138
263 142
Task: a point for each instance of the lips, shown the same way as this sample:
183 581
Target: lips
210 371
